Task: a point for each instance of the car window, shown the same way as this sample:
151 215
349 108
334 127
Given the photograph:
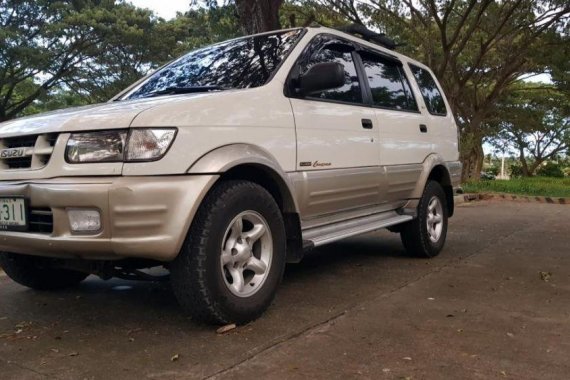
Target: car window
430 92
388 84
241 63
327 49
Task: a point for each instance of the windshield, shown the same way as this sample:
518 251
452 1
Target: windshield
242 63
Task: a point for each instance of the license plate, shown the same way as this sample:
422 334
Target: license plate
13 214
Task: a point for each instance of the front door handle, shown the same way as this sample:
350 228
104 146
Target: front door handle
367 124
423 128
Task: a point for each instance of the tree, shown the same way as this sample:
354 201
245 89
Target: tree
535 123
256 16
205 24
477 48
132 42
91 47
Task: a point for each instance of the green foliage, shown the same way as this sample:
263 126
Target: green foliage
533 121
91 47
516 170
494 170
550 169
54 100
132 41
204 26
539 186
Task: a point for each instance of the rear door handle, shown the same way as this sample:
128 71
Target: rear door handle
423 128
367 124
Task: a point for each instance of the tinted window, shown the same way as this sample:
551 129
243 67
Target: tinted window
430 91
327 49
388 83
241 63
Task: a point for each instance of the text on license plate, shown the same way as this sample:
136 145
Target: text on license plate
12 213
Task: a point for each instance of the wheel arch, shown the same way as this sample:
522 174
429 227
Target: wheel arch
255 164
440 174
434 168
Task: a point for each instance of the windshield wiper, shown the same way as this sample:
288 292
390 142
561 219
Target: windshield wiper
184 90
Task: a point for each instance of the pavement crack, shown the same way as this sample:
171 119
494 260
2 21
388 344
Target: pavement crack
278 342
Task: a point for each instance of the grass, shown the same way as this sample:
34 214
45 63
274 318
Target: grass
538 186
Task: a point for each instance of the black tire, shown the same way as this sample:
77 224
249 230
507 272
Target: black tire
38 272
197 277
415 235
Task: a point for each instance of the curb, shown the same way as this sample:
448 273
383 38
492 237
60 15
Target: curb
464 198
511 197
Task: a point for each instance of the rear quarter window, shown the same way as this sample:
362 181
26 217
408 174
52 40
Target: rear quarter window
389 86
430 92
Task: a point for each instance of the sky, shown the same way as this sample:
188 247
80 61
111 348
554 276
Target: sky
164 8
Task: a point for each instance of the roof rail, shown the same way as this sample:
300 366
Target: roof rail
363 32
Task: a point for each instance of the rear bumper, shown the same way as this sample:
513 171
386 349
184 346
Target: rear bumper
142 217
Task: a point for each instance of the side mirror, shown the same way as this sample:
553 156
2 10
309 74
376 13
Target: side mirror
320 77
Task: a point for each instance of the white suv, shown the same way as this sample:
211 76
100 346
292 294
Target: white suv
227 163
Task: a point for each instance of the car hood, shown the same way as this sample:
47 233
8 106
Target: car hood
112 115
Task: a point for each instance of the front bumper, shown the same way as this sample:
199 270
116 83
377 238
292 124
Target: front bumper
141 217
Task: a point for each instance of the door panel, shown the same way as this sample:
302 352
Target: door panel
441 122
402 139
337 137
322 192
331 136
401 181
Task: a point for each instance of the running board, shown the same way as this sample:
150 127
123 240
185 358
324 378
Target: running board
332 232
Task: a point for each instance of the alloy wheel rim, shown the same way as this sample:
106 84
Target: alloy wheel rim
247 252
434 219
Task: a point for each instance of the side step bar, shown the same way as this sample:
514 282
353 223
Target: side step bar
332 232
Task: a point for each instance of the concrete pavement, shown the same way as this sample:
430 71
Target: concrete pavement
494 304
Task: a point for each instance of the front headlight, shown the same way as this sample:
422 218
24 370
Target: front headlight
105 146
138 144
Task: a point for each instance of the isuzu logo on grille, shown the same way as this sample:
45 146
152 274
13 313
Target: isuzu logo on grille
13 153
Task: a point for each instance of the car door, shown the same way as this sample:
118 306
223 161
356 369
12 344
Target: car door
337 137
404 141
441 124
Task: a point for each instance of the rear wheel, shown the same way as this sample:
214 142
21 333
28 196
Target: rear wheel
38 272
425 235
234 256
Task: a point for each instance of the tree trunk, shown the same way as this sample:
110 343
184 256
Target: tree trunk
472 160
257 16
524 166
537 162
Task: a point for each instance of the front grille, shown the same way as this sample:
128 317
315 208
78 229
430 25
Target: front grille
26 152
41 221
18 163
20 141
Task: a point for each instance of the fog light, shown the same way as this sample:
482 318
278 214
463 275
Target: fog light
84 220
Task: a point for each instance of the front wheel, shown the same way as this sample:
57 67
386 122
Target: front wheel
233 259
425 235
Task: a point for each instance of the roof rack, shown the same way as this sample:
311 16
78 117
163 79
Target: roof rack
363 32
